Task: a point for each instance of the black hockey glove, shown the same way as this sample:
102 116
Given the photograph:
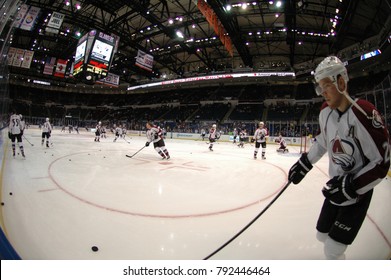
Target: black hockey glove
21 133
299 169
340 189
147 144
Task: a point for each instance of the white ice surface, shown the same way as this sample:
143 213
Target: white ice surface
61 201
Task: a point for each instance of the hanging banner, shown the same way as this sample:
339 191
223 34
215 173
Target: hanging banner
18 58
144 60
27 58
55 22
21 14
110 79
30 18
60 68
10 55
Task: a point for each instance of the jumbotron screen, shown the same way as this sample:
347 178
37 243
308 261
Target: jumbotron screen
101 55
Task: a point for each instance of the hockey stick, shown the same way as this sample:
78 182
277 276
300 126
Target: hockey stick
28 140
130 156
251 222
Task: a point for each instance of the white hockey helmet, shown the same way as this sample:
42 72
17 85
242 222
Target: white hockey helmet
214 125
99 122
262 124
21 116
330 67
47 119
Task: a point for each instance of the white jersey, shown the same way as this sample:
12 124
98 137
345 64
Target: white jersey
260 135
355 144
154 134
212 133
118 131
15 125
47 127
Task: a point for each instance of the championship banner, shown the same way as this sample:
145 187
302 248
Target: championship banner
144 60
55 22
30 18
49 65
21 14
18 58
27 58
60 68
10 55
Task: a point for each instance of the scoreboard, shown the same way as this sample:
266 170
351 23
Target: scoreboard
94 54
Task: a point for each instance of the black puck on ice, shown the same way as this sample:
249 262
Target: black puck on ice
69 159
10 193
2 203
94 248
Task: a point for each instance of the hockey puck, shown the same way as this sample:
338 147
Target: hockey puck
10 193
2 203
69 159
94 248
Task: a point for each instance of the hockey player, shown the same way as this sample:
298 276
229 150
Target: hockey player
353 134
15 132
118 133
235 135
282 142
154 135
242 138
212 136
46 132
203 134
260 139
98 130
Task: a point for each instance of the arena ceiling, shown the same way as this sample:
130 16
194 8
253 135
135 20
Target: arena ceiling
262 32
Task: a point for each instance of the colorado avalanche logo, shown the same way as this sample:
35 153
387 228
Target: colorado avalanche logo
342 154
377 121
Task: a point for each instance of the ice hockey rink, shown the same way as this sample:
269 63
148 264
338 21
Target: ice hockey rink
77 195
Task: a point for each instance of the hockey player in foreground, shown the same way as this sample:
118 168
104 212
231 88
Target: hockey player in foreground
353 134
155 135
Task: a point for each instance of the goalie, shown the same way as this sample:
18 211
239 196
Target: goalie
282 148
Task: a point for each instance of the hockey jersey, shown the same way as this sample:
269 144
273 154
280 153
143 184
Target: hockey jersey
154 134
15 126
355 143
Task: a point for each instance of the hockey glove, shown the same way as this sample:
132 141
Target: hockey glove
9 135
147 144
340 189
21 133
299 169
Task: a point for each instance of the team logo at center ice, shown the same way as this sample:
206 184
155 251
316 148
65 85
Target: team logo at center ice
342 154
